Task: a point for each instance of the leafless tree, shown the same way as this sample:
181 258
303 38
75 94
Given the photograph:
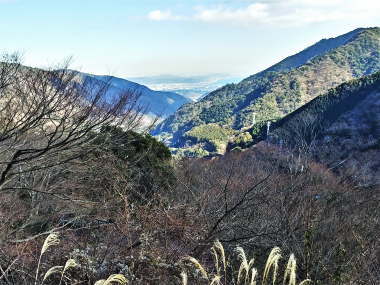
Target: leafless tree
255 199
300 132
48 117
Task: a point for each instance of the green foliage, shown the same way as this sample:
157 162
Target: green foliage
213 134
195 151
217 113
131 145
360 55
243 140
281 89
147 161
210 132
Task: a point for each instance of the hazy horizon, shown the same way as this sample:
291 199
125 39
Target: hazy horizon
184 38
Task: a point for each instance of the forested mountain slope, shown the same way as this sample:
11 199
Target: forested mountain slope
275 92
340 128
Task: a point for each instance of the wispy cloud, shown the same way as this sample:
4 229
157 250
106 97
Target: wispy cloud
254 12
279 12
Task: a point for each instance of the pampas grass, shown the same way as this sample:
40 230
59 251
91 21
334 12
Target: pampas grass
52 239
115 278
272 261
71 263
245 266
247 274
253 276
184 278
290 271
216 258
219 247
51 271
197 265
216 280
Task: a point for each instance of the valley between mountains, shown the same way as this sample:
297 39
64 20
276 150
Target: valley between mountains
212 180
234 115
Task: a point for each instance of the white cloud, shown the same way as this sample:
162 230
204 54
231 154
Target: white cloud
281 12
159 15
254 12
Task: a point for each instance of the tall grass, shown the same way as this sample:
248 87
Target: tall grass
272 262
247 274
52 240
245 266
224 272
113 279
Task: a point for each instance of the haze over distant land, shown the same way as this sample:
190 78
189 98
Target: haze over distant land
273 93
192 87
147 38
155 104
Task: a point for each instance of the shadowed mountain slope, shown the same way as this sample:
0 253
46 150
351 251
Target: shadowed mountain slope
158 103
340 128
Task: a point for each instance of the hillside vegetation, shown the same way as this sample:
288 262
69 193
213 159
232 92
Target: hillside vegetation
281 89
87 199
341 126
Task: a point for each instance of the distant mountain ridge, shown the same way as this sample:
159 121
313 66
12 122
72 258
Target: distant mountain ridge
191 87
158 103
277 91
320 48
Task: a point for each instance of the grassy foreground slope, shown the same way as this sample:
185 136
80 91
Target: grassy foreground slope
281 89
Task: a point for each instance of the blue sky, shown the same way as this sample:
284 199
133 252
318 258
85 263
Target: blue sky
187 37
